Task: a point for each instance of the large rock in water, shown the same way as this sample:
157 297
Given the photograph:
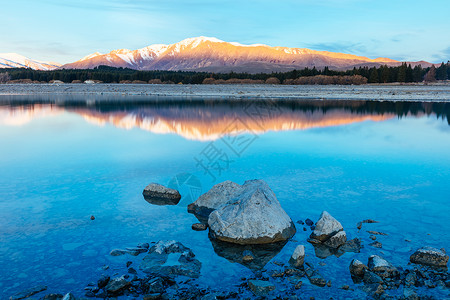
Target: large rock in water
158 194
430 256
328 231
217 196
252 216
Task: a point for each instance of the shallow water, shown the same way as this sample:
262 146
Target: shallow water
61 163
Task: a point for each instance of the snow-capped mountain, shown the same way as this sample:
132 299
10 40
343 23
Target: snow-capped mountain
214 55
13 60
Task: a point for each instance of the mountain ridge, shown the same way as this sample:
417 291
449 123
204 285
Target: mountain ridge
213 55
210 54
14 60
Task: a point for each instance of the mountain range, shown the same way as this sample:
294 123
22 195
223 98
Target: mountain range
212 55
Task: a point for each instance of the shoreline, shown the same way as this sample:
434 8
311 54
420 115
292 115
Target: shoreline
155 92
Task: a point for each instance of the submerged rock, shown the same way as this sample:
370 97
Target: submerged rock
53 297
382 267
298 257
260 287
430 256
199 226
336 240
170 258
158 194
357 268
220 194
328 231
117 285
29 292
253 216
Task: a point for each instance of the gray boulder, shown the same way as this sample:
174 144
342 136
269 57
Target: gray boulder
217 196
328 231
382 267
357 268
253 216
430 256
158 194
298 257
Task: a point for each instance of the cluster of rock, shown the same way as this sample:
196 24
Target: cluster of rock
247 214
380 275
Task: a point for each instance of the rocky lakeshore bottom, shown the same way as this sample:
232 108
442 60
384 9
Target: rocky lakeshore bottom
248 226
169 270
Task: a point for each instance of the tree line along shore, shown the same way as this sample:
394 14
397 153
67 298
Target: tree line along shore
356 76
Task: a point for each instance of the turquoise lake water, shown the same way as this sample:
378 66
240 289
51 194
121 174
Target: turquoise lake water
62 162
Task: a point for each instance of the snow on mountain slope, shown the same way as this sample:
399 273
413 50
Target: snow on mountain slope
14 60
214 55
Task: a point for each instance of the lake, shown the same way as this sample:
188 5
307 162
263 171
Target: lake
62 162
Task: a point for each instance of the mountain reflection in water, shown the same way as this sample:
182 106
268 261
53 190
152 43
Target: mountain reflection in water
209 120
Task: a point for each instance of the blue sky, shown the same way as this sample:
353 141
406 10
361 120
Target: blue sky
66 30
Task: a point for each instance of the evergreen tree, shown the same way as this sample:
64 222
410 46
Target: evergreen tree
401 77
373 78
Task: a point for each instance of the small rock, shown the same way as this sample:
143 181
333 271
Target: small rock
430 256
326 227
116 285
318 280
129 263
345 287
357 268
247 256
304 228
376 244
300 222
382 267
372 237
329 283
117 252
69 296
132 271
376 232
260 287
103 281
309 222
298 285
28 293
199 226
336 240
92 218
298 257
